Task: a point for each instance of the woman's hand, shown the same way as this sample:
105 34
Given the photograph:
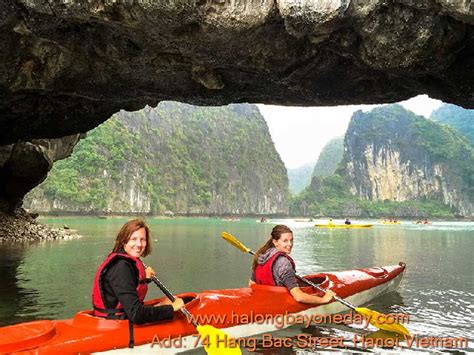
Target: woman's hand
165 302
328 296
177 304
149 272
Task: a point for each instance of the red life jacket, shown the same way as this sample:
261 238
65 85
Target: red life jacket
98 299
264 273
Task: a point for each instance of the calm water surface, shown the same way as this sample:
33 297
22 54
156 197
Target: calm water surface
54 279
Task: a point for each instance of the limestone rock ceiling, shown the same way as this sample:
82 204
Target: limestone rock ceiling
67 66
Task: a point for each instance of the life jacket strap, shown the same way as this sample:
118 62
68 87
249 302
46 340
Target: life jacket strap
112 313
131 338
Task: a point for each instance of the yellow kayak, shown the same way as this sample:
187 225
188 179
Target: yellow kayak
343 225
391 222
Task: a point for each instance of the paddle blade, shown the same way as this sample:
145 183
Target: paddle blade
235 242
382 321
216 342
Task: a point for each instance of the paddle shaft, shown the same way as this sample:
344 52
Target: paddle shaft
336 297
172 299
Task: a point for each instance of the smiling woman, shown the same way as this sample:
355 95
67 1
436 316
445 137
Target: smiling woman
273 266
120 283
137 245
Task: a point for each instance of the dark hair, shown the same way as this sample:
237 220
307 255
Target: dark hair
126 231
276 233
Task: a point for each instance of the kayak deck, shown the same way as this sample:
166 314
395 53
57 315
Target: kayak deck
26 335
230 310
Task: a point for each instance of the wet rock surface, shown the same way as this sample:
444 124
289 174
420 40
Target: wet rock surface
68 66
24 165
20 226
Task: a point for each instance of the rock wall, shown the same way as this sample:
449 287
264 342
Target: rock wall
67 66
389 178
390 161
329 158
24 165
177 157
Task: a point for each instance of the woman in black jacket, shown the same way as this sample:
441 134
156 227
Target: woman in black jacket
120 283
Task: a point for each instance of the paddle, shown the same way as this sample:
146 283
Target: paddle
377 319
215 340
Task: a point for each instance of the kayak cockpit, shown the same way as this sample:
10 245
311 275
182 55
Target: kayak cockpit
318 279
378 272
321 280
191 299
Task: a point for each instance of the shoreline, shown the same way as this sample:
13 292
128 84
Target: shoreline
22 227
236 217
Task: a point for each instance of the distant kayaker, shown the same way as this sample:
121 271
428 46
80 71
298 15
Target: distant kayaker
272 265
120 283
347 221
331 223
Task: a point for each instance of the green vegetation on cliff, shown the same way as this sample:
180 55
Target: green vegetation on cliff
79 178
329 196
457 117
387 144
415 138
176 157
330 157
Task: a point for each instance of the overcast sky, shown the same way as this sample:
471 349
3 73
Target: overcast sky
300 133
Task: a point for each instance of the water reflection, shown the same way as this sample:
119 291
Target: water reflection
53 280
15 299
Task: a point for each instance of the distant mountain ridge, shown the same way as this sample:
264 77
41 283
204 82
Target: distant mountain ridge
300 177
176 157
326 164
329 158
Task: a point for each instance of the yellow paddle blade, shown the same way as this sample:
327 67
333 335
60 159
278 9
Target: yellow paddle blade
381 321
382 334
235 242
216 342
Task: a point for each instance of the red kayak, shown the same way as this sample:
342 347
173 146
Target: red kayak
240 312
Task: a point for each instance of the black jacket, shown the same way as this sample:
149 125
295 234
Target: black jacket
119 285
